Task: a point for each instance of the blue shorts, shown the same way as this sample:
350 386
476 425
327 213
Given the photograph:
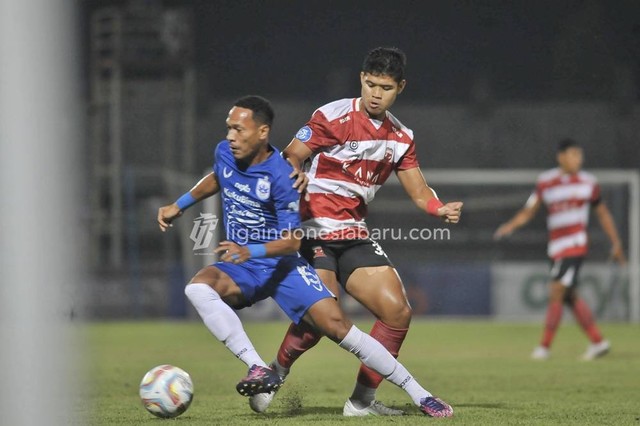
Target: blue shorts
292 283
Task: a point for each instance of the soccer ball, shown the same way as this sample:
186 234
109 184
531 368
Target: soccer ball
166 391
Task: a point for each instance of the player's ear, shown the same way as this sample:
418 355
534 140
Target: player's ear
401 86
263 131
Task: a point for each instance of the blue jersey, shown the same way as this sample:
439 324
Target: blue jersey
259 203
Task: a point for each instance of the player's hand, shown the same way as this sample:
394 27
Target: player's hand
451 212
166 214
301 178
503 230
617 254
232 252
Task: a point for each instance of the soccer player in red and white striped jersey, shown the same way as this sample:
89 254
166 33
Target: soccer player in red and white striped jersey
568 194
349 148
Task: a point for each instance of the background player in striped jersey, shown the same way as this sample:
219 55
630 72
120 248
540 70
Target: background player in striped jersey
349 148
260 257
568 194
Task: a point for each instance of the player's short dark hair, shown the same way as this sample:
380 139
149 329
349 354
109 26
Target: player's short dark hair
567 143
261 108
389 61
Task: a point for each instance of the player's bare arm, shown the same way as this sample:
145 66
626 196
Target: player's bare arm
296 153
415 185
521 218
609 227
206 187
235 253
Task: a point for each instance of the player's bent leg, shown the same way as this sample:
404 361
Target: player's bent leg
327 316
225 325
380 290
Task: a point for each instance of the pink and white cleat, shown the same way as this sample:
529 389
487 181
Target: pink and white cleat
435 407
259 380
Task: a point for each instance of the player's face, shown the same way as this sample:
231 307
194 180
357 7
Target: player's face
379 92
570 160
246 137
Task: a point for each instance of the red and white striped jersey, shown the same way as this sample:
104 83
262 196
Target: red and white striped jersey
568 199
353 155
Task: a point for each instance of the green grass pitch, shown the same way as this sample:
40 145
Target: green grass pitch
481 368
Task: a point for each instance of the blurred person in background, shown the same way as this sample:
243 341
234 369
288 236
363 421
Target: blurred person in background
348 149
260 258
568 194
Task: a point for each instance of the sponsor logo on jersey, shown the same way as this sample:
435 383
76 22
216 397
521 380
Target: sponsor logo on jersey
263 188
304 134
345 119
294 206
227 174
353 145
242 187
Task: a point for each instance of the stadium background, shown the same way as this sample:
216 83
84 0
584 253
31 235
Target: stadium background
489 87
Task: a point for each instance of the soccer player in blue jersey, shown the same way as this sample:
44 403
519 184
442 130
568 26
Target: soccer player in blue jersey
260 257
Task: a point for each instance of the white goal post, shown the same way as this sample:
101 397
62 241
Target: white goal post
508 177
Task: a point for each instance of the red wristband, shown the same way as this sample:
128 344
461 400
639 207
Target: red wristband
433 205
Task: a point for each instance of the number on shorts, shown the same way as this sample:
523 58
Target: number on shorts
310 277
378 248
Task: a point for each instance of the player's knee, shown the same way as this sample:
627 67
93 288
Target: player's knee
197 290
397 315
336 328
404 316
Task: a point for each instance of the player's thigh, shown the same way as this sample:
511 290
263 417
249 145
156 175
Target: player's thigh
369 276
221 282
380 290
328 318
330 280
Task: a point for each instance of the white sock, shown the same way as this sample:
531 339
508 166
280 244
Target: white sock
375 356
222 322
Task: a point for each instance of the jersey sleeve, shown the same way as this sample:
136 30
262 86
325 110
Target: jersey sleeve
318 133
217 155
286 201
409 160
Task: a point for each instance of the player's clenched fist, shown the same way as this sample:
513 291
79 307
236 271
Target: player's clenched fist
451 212
166 214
